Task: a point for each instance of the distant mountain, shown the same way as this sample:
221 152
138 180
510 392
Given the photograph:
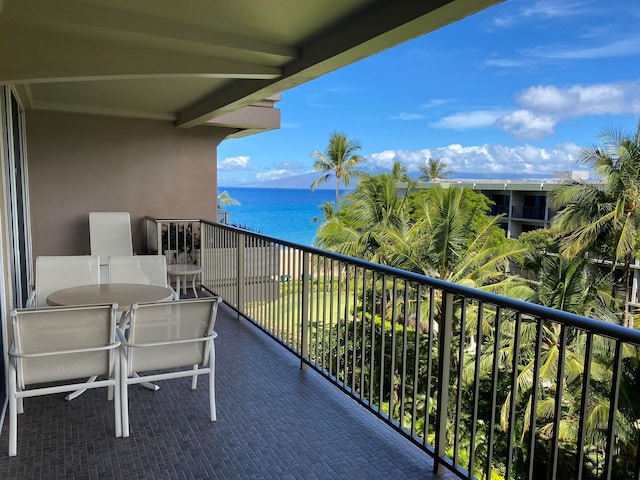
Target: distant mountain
305 180
297 181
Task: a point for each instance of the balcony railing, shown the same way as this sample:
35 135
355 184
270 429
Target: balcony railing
531 213
177 239
489 386
223 217
499 210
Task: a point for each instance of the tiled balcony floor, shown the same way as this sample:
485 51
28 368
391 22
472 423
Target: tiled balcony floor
274 421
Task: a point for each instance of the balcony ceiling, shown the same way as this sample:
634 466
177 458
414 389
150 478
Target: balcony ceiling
194 60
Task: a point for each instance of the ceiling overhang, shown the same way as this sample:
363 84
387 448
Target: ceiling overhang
196 62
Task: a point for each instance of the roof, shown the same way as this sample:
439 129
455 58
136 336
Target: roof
193 61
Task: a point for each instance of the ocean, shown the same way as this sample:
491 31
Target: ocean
284 213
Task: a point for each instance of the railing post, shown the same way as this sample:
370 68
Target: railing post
159 238
444 370
240 273
306 282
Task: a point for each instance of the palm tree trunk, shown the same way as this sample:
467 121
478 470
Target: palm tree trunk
627 319
337 192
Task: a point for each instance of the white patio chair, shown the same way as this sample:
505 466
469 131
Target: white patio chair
109 234
171 339
58 272
145 269
60 345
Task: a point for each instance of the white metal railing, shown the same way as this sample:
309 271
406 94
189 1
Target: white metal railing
177 239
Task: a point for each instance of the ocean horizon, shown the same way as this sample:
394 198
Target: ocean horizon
283 213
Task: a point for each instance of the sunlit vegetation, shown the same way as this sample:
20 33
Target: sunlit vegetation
446 233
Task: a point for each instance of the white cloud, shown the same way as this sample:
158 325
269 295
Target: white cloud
488 159
435 102
548 98
235 163
617 48
505 63
526 125
544 106
579 100
407 116
545 9
384 160
467 120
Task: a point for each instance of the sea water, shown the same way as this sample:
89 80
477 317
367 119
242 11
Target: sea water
283 213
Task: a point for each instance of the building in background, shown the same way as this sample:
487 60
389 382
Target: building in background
523 202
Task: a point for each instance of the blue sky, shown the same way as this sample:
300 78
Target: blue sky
515 90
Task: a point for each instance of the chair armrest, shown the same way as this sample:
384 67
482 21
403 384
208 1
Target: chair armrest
110 346
170 342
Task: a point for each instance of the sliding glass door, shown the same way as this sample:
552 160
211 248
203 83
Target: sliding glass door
17 251
17 201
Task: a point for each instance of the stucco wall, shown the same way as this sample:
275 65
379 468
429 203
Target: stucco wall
78 164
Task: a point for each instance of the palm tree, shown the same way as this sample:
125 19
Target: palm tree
572 286
439 232
434 169
593 215
224 200
452 238
357 227
328 211
399 172
340 159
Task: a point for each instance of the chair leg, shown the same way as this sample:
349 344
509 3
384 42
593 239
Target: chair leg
77 393
212 381
124 400
148 385
193 285
13 413
194 379
118 397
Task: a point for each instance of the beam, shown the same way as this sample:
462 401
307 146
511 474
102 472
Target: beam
380 26
45 58
116 24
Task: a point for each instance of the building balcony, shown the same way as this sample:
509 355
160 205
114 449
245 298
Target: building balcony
529 213
499 210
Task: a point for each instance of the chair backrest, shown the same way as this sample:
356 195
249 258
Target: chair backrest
171 324
64 342
58 272
146 269
110 234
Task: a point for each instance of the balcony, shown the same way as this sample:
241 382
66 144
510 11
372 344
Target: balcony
312 383
499 210
530 213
